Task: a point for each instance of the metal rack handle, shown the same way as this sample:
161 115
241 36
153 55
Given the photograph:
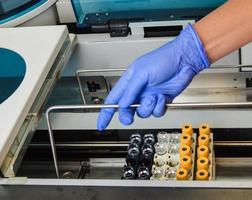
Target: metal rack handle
168 106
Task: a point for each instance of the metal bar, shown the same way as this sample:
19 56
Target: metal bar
82 145
91 71
55 160
233 144
125 144
169 106
234 162
80 88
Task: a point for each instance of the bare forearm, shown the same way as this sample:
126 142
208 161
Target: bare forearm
226 29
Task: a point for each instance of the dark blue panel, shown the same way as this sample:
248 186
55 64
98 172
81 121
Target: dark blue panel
12 72
100 11
9 5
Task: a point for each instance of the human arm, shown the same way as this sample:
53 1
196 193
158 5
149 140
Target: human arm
226 29
159 76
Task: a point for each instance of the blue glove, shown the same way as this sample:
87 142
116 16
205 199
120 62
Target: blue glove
156 79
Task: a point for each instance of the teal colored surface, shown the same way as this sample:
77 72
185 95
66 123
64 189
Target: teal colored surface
9 5
84 7
12 72
22 12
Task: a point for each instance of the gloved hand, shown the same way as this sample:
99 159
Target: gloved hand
156 79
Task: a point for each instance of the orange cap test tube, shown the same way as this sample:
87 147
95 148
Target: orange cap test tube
202 174
204 140
203 151
185 150
203 163
182 174
187 128
186 162
204 129
186 139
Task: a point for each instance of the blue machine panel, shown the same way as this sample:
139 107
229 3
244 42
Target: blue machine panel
12 72
101 11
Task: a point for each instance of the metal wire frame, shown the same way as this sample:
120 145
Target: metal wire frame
168 106
85 107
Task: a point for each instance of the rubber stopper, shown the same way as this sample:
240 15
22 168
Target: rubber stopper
203 151
186 162
182 174
202 174
204 140
185 150
187 129
203 163
186 139
204 129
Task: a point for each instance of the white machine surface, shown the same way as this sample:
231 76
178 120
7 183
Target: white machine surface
27 13
49 145
39 47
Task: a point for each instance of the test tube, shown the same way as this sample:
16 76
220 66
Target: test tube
149 139
147 150
203 151
160 160
182 174
203 163
171 173
147 155
186 139
163 137
204 140
128 172
136 139
160 148
173 148
186 162
143 173
187 128
132 154
173 160
202 174
158 172
174 138
204 129
185 150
